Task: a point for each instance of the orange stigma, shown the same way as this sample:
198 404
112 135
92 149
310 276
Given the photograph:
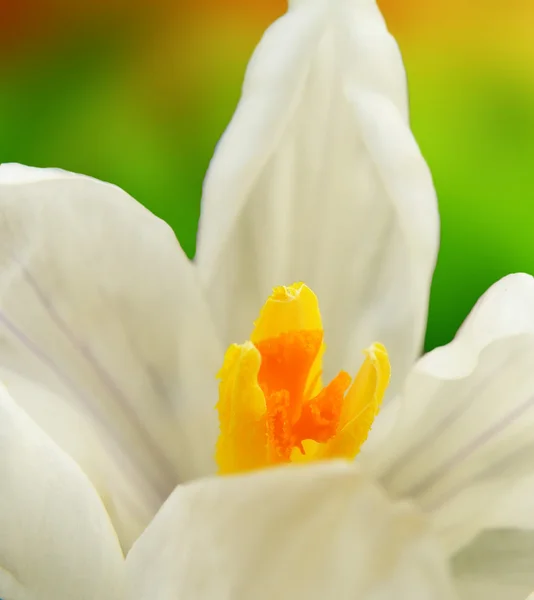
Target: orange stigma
272 405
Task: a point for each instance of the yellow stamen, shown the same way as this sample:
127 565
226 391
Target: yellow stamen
272 405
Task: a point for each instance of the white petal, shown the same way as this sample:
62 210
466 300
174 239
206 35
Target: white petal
498 565
104 331
307 533
464 437
507 309
13 173
56 541
318 178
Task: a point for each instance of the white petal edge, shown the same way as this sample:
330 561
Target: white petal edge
15 174
506 309
318 179
463 442
102 321
56 542
293 533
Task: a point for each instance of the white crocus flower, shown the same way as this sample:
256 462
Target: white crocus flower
110 341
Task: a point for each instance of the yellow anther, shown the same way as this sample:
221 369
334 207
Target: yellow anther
272 405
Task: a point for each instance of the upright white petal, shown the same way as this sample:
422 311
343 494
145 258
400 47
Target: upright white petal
105 338
290 533
318 178
464 439
56 541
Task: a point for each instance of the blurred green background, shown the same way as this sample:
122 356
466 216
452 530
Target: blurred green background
137 92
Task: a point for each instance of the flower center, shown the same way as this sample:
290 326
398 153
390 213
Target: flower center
272 405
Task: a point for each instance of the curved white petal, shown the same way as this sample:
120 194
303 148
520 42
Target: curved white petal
105 338
292 533
14 173
505 310
318 179
463 442
498 565
56 540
